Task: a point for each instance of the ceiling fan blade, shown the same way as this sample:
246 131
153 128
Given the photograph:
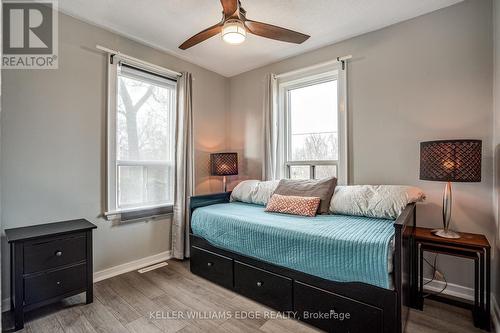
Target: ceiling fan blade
274 32
230 6
201 36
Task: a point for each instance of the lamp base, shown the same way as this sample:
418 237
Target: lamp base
445 233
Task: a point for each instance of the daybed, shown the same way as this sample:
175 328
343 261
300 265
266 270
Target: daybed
339 273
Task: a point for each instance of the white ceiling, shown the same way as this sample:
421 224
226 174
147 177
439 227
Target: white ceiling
165 24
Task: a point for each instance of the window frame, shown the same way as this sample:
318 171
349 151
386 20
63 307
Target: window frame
113 211
305 79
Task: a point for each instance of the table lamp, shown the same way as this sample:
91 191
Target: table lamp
450 161
224 164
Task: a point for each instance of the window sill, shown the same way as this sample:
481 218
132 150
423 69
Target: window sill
140 213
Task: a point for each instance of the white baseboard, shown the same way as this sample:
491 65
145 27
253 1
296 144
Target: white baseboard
116 270
467 293
452 289
131 266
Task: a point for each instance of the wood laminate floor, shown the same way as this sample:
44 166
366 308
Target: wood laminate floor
154 302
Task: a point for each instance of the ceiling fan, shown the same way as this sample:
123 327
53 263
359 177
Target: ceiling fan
234 27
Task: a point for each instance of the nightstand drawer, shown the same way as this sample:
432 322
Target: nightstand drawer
56 283
50 253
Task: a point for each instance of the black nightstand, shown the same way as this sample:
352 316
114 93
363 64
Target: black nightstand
472 246
49 262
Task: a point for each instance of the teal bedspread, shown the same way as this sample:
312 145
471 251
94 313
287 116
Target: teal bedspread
334 247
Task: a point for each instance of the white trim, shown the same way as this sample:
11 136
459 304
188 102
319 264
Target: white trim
113 210
284 88
313 67
111 135
311 78
131 266
452 289
116 270
144 163
459 291
319 73
138 209
139 62
343 139
318 162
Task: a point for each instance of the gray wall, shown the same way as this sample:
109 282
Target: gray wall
423 79
53 142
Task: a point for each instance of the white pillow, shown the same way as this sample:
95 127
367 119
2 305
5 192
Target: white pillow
254 191
379 201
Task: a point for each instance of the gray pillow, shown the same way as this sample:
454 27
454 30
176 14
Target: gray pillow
321 188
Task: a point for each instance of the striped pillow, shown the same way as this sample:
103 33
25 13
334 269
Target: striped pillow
291 204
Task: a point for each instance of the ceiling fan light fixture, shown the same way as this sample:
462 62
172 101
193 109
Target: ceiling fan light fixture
234 27
234 32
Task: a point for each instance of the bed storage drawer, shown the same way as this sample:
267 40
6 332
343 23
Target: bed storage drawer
335 313
267 288
211 266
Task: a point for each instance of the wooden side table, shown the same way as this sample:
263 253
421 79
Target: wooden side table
472 246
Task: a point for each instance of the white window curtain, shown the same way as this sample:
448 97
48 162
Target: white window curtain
272 163
184 169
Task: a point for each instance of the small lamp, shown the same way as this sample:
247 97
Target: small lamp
224 164
450 161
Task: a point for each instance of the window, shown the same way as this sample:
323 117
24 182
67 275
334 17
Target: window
313 122
140 142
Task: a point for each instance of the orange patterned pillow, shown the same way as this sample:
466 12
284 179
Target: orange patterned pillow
291 204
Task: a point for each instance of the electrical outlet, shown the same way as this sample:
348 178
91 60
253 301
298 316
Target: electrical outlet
438 276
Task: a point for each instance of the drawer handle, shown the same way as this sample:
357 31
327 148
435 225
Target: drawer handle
58 283
58 253
210 264
259 284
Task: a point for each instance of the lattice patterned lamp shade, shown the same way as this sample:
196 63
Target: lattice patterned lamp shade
224 164
451 160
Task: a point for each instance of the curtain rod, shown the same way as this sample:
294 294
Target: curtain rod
321 64
127 57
